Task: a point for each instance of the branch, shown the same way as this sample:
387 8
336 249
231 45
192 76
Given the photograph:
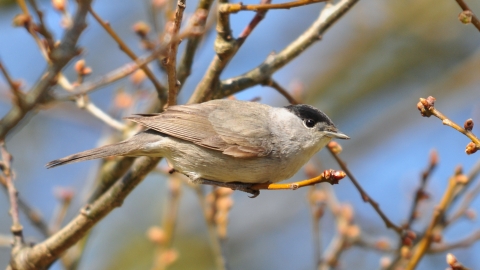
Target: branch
469 197
272 83
185 66
438 214
60 56
44 253
160 89
234 8
365 197
225 47
215 240
328 176
171 60
329 15
427 109
17 228
467 12
169 223
464 243
420 193
127 69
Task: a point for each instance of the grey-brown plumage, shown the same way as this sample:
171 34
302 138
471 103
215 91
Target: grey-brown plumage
226 140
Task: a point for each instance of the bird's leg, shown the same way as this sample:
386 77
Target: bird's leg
245 187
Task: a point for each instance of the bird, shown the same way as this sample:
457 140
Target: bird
226 142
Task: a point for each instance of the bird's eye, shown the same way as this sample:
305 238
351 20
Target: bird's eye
310 123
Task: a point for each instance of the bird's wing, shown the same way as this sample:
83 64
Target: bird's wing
233 127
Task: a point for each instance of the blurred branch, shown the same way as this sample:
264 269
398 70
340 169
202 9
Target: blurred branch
464 243
328 16
473 19
169 223
422 247
365 197
427 109
272 83
60 56
42 29
236 7
171 59
469 197
420 193
454 263
160 88
65 196
215 240
14 86
316 200
129 68
347 232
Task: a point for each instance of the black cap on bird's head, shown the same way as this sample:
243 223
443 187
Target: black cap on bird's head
313 117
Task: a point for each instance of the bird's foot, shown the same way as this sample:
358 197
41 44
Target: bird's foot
245 187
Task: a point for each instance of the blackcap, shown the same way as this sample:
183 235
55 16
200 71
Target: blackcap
226 140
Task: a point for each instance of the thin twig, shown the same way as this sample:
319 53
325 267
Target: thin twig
427 109
169 223
272 83
46 252
438 214
158 86
14 86
185 65
469 197
215 241
60 56
171 60
225 47
465 7
329 15
464 243
42 27
124 71
420 193
365 197
234 8
17 228
34 217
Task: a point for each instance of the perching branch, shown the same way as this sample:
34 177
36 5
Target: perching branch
328 176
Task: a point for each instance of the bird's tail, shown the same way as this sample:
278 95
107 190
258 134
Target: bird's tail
118 149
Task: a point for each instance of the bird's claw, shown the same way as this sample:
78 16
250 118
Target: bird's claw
232 185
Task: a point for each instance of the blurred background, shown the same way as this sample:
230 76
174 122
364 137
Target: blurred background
367 73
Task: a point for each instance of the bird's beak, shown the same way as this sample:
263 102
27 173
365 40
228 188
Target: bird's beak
337 135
